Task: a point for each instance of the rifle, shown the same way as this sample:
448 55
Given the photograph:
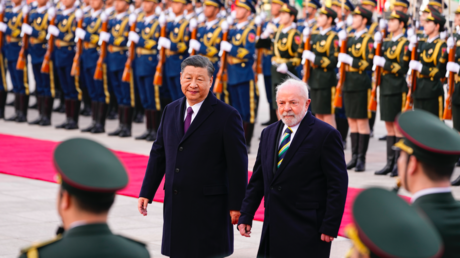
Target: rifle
2 15
76 60
49 51
158 79
413 76
222 73
194 27
126 77
22 58
306 46
447 115
258 68
98 74
377 73
343 67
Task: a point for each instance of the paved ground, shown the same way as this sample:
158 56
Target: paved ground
27 207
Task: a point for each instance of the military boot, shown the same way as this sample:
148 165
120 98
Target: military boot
94 114
354 137
154 126
248 132
362 150
3 95
394 171
390 157
47 110
68 108
40 111
74 114
16 109
101 117
148 126
120 123
23 108
127 122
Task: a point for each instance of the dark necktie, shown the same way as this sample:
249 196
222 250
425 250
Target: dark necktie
284 146
188 119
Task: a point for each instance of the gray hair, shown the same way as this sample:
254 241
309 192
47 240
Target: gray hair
300 85
198 61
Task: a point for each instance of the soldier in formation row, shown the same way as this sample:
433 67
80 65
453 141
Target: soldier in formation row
125 55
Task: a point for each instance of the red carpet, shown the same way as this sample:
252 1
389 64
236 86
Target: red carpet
31 158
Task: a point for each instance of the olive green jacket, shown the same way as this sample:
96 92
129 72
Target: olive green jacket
397 57
325 48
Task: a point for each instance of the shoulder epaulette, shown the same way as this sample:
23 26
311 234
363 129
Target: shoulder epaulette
35 246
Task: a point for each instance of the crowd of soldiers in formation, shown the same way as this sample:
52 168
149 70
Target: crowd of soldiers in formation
119 59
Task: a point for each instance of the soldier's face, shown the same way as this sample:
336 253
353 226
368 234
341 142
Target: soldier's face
429 27
241 12
322 20
97 4
393 25
189 8
423 18
138 3
457 19
275 9
195 83
285 18
120 6
149 7
358 21
66 3
177 8
41 2
210 11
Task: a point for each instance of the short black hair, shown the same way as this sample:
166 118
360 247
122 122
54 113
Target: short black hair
198 61
436 172
92 205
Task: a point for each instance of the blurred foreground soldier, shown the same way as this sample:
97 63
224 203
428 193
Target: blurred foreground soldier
86 194
387 227
300 171
429 152
201 153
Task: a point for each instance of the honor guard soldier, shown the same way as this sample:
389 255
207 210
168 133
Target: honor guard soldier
323 57
437 4
348 8
64 51
370 5
44 82
382 221
98 89
310 16
190 10
429 152
401 5
11 27
86 194
357 86
117 39
176 44
270 27
153 97
241 48
431 67
208 38
393 85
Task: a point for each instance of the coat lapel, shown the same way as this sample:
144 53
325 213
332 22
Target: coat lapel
272 152
205 110
302 132
180 109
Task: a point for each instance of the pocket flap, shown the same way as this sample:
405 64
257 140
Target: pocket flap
307 205
215 190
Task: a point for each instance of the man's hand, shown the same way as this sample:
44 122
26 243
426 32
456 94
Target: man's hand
245 230
142 205
326 238
235 215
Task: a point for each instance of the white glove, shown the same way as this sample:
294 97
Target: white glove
382 24
194 45
164 42
132 19
78 14
377 38
453 67
201 18
410 32
104 17
268 31
26 29
306 32
104 37
158 11
378 61
193 23
225 46
3 27
53 30
258 20
443 35
233 14
223 13
51 13
25 10
415 65
162 20
133 37
80 33
308 55
450 43
224 26
282 68
263 15
342 35
412 41
345 58
230 20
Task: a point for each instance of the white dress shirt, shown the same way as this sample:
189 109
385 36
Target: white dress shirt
195 109
294 130
428 191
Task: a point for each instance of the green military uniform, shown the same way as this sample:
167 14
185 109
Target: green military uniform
385 226
93 181
456 95
429 92
393 86
286 45
357 87
438 205
323 79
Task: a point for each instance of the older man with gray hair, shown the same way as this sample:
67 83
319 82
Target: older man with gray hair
301 172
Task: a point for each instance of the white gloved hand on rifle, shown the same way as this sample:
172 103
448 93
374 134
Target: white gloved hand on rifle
377 38
308 55
104 37
164 42
306 33
453 67
267 32
282 68
225 46
415 65
378 61
450 44
194 45
52 30
26 29
133 37
412 42
345 58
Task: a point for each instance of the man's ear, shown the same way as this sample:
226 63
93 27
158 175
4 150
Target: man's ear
66 201
412 166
